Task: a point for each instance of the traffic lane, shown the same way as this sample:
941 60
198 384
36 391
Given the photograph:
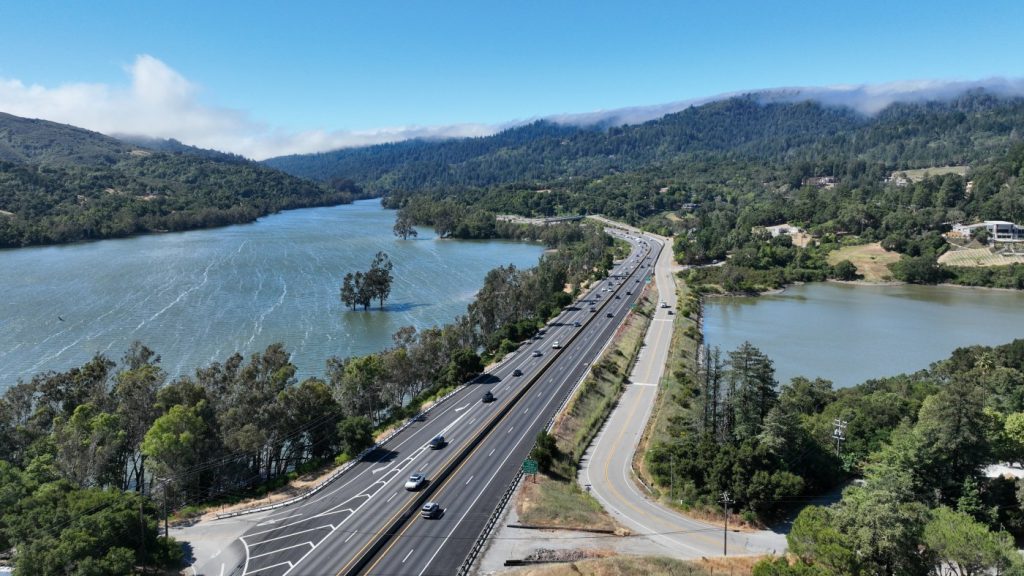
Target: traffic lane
414 547
370 535
278 549
302 536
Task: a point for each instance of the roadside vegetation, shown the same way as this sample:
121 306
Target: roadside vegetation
113 444
919 441
557 500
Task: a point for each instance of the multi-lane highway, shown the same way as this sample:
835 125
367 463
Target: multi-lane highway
366 521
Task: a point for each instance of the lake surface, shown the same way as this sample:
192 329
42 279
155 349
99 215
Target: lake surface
197 297
851 333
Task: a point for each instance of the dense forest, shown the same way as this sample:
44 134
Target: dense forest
547 155
90 456
919 441
61 184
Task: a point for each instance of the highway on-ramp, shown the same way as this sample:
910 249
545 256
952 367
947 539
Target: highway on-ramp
366 520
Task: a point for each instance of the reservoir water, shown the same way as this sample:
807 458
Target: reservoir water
851 333
197 297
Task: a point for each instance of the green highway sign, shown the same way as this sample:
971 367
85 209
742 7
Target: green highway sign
529 466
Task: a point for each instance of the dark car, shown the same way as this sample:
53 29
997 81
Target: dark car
517 372
488 397
431 510
610 315
437 442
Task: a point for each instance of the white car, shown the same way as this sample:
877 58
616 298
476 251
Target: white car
416 481
555 344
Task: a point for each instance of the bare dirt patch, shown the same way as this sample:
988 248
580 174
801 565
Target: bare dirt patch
872 261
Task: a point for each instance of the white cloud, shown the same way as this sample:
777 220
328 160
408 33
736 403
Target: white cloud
865 98
161 103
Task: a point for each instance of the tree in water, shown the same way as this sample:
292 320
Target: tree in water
404 226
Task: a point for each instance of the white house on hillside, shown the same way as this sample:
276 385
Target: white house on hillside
998 230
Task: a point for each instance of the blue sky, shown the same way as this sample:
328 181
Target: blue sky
330 69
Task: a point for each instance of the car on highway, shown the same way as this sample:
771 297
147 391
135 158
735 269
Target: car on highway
431 510
536 353
610 315
628 293
416 481
555 344
487 397
671 312
662 305
617 297
517 372
577 324
437 442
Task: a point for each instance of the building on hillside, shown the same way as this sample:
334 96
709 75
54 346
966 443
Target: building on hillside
998 231
899 179
821 181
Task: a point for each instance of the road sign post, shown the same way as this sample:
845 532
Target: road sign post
530 467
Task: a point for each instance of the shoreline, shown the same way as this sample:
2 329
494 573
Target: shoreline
858 283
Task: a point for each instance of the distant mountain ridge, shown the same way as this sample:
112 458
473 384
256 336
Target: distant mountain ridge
971 126
61 183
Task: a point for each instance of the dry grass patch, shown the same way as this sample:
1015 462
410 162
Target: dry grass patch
642 566
872 261
560 504
921 173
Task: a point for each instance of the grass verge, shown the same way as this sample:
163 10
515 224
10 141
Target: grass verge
556 500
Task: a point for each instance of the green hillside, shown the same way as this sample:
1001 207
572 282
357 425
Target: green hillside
59 183
972 127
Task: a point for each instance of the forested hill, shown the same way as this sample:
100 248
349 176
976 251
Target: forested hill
59 183
972 127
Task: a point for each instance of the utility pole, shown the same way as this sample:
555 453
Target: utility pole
839 433
725 529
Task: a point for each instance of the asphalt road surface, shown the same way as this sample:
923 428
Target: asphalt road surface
365 521
607 468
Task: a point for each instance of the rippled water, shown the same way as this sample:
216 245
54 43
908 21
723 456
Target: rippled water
850 333
196 297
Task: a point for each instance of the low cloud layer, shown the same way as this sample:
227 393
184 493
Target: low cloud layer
161 103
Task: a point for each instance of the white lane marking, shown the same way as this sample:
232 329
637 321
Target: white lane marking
510 429
306 543
290 566
468 481
290 534
275 520
491 453
381 469
461 408
350 536
642 384
407 555
390 498
527 411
